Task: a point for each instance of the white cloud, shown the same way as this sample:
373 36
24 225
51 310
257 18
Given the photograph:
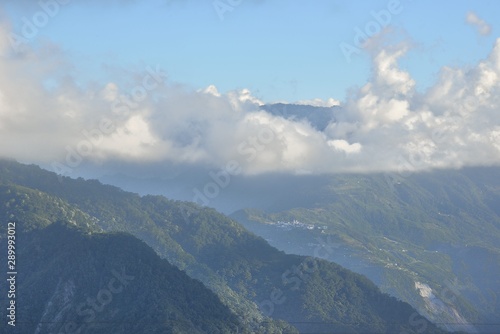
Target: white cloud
132 140
330 102
482 27
342 145
384 125
212 90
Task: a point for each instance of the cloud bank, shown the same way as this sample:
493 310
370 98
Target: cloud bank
482 27
47 117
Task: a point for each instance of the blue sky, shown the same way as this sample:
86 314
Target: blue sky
279 49
129 82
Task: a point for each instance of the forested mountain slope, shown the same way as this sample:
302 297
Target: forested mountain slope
252 278
409 233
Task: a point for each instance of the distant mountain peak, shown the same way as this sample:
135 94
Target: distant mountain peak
318 116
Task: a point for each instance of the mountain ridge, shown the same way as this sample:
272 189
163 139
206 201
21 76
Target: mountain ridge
222 254
438 228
